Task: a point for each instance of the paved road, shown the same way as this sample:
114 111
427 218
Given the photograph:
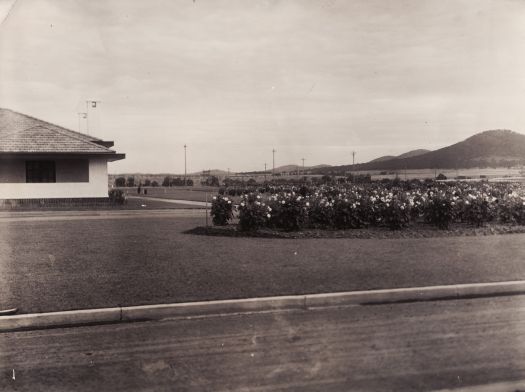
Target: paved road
403 347
175 201
49 216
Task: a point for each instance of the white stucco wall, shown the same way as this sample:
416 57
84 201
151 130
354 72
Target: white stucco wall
96 187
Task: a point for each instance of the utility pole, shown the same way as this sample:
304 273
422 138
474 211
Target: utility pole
264 171
302 159
273 166
185 165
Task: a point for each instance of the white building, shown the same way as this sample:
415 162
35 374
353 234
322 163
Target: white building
40 160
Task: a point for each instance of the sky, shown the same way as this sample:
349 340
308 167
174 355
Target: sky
234 79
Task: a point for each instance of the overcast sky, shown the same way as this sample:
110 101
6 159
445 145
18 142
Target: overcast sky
234 79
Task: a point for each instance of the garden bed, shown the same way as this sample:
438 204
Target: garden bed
414 231
400 205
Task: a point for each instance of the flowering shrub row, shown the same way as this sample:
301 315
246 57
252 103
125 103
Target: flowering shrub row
358 206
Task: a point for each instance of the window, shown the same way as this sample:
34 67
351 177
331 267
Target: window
40 171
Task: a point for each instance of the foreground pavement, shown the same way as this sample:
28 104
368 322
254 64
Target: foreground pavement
401 347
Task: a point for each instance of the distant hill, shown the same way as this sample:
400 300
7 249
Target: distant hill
288 169
213 172
495 148
384 158
413 153
294 168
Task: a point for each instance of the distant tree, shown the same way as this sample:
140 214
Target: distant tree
396 181
211 181
154 183
176 181
130 182
326 179
230 182
251 181
189 182
147 182
441 176
166 181
120 182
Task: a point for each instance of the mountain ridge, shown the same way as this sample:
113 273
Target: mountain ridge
494 148
412 153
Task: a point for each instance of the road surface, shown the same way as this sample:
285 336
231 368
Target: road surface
401 347
174 201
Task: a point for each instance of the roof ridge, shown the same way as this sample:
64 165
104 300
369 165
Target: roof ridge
54 125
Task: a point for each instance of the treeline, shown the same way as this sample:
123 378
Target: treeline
214 181
167 182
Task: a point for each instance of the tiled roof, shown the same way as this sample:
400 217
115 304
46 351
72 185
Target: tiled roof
20 133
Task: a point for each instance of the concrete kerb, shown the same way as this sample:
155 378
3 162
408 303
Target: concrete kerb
56 319
234 306
414 294
155 312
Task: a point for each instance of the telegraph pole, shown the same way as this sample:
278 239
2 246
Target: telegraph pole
302 159
264 171
185 165
273 166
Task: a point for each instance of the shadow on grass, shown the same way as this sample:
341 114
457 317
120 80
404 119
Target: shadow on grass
414 231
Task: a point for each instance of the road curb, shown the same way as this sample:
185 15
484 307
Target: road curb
155 312
191 309
57 319
415 294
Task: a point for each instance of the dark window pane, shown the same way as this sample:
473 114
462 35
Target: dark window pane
40 171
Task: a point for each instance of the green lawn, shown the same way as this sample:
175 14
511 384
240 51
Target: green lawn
71 264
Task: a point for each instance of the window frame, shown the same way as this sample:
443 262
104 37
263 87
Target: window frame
41 171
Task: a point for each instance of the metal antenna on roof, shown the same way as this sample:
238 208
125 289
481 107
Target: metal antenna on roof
81 116
90 105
